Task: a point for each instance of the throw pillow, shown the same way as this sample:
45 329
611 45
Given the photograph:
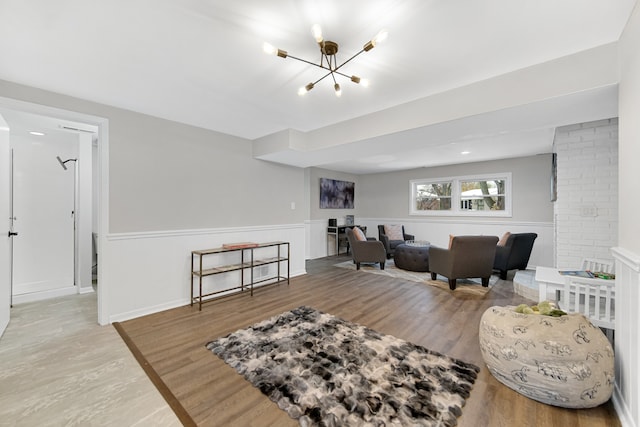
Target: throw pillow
503 240
359 234
394 232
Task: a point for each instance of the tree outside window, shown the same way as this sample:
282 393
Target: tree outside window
433 196
482 195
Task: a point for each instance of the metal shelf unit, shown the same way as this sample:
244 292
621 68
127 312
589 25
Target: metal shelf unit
248 261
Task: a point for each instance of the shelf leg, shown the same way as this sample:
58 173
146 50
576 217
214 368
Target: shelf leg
191 300
288 262
251 271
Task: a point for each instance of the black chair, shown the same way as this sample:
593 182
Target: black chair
515 253
390 245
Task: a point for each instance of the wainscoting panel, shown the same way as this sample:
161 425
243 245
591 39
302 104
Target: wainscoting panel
626 395
151 272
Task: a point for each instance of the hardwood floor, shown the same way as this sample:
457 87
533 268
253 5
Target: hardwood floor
212 394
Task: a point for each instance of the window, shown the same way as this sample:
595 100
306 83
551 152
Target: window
434 196
483 195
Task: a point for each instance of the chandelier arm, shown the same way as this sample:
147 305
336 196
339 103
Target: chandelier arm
341 73
340 66
309 62
322 78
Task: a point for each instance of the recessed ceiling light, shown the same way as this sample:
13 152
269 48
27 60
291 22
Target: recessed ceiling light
465 152
37 133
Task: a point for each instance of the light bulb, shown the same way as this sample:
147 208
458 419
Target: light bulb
271 50
268 48
305 89
364 82
338 90
317 33
380 37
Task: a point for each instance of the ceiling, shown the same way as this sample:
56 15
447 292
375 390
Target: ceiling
200 62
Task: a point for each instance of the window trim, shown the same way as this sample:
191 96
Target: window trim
456 196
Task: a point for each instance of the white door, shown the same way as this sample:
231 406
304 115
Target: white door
43 207
5 240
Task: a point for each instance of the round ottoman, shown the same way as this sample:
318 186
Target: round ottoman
412 257
562 361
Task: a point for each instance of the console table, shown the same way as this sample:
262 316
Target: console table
249 258
339 234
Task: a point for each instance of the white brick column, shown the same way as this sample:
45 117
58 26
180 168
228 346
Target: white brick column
586 210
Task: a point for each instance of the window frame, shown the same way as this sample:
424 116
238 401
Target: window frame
456 197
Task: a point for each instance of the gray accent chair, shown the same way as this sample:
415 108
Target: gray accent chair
390 245
514 255
366 250
469 256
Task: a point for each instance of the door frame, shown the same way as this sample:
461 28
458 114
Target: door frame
102 175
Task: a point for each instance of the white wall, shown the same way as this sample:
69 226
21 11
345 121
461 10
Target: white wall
627 254
586 212
170 176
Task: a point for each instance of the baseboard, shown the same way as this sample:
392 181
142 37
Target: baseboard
626 419
42 295
121 317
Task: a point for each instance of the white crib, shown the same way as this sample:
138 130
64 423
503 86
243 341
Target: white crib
595 298
598 265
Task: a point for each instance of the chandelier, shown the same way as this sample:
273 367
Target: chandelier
328 60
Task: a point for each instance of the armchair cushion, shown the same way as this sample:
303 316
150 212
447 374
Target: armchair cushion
389 243
504 238
359 234
394 232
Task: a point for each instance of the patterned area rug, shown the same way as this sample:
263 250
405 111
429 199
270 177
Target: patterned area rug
325 371
469 286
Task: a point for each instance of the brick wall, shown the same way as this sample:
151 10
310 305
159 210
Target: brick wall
586 210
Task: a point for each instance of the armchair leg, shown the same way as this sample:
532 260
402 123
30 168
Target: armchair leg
357 266
382 265
503 275
485 281
452 284
433 276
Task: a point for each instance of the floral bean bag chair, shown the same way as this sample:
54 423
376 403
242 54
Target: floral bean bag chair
562 361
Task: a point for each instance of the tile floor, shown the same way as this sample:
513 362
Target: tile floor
58 367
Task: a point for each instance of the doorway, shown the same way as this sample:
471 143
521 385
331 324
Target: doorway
44 212
72 195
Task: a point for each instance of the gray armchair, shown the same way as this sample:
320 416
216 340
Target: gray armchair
514 255
390 245
366 250
469 256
